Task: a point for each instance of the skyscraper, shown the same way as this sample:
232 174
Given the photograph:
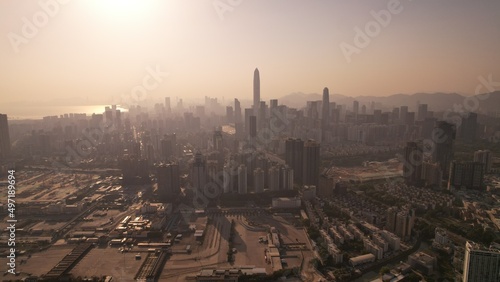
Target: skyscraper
422 112
273 105
410 118
217 140
261 117
412 165
402 114
256 90
168 181
311 163
484 157
405 221
443 137
274 178
253 127
426 128
325 113
377 116
258 175
242 179
237 111
391 219
286 175
355 107
468 130
481 264
229 114
395 115
325 185
199 173
248 114
134 171
294 156
4 136
168 108
167 148
469 175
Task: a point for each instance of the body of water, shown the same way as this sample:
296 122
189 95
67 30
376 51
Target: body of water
34 112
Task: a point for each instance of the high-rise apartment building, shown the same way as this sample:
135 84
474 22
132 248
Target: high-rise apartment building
469 127
256 91
422 112
258 176
481 264
168 178
311 163
469 175
5 145
242 179
443 137
294 156
412 164
253 127
484 157
199 173
237 111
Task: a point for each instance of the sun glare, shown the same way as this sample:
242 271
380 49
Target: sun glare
123 11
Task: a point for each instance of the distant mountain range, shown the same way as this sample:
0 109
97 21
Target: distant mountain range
437 102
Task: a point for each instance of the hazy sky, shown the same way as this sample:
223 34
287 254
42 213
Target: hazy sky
100 50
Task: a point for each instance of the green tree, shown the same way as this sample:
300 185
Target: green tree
384 270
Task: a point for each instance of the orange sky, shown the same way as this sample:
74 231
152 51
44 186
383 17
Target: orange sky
100 50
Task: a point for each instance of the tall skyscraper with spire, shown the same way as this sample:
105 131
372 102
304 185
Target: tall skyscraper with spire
256 91
325 113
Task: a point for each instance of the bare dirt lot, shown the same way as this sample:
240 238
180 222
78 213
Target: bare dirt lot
249 251
40 263
210 253
109 261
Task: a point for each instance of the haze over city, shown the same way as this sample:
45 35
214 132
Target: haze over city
91 52
250 140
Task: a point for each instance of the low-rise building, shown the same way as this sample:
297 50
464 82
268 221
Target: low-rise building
422 262
362 259
286 203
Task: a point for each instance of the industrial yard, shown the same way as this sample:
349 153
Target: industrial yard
89 226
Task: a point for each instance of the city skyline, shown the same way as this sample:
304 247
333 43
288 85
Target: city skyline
262 140
70 57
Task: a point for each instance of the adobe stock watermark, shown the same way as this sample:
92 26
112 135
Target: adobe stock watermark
151 81
363 37
83 148
31 26
453 116
91 137
224 6
471 104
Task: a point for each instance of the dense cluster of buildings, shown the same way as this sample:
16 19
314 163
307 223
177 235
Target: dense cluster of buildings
208 150
430 162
